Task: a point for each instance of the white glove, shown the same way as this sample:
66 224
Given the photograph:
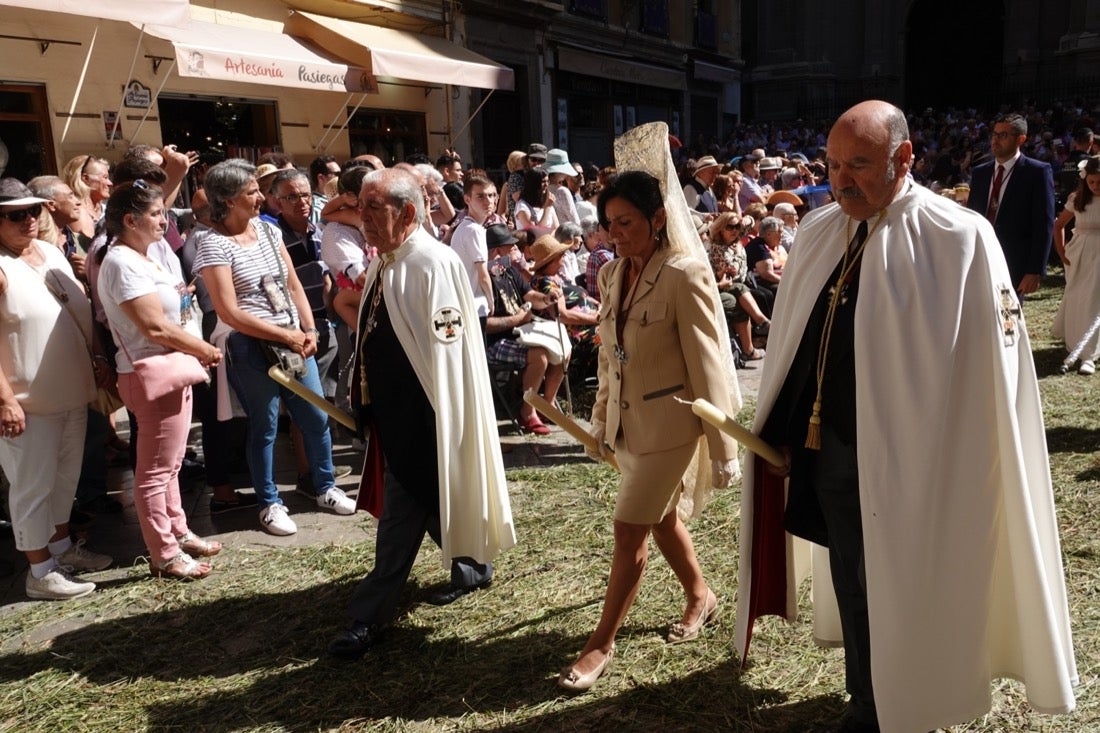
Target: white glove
599 433
722 473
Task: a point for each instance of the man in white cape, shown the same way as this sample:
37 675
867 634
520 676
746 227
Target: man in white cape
420 370
959 567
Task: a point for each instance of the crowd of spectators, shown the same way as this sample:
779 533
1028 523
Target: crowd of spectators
531 242
947 143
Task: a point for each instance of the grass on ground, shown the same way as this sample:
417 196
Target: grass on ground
244 649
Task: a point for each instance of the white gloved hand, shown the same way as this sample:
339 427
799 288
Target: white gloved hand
722 473
599 432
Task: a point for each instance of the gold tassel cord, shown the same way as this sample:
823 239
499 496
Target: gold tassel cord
848 264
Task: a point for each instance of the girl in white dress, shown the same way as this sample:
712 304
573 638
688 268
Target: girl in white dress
1081 257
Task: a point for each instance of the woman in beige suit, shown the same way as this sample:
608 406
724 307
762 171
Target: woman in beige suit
660 340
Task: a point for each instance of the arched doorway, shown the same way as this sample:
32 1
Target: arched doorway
953 53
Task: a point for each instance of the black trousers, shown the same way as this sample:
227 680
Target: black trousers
836 483
405 519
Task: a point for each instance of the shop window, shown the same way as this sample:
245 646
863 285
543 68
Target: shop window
391 135
589 8
218 128
25 132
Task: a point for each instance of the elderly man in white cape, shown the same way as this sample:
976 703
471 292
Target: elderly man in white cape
932 462
420 375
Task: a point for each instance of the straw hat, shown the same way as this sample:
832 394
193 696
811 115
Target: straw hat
546 249
781 197
707 161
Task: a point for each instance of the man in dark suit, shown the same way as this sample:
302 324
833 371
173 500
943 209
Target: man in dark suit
1016 193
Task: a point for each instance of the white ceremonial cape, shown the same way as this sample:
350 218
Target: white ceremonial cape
964 570
432 310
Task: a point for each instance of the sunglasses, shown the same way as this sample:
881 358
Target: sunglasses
20 215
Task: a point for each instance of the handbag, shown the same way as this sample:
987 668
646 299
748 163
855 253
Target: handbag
107 401
162 374
280 355
549 335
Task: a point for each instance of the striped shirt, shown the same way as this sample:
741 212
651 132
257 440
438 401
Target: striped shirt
248 265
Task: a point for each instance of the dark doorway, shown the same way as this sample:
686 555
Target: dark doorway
25 132
953 54
218 128
502 125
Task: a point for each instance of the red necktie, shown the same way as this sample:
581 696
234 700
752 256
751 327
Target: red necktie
995 194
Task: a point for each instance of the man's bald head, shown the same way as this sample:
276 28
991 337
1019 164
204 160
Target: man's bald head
869 155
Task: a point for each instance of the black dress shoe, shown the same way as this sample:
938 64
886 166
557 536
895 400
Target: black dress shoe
354 642
452 593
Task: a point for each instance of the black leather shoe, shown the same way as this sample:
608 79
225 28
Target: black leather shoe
452 593
354 642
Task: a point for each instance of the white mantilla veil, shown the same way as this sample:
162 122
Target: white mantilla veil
645 148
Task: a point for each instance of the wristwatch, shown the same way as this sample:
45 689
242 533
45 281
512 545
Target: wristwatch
314 331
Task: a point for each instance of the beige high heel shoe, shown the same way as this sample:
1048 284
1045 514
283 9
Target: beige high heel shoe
572 680
678 633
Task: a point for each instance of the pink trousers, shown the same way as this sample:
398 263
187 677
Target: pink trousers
162 442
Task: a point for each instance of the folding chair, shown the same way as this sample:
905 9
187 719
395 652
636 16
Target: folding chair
505 379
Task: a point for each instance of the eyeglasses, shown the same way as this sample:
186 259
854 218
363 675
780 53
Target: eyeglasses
1003 135
291 198
20 215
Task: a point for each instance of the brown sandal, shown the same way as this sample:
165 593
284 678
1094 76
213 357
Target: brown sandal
181 567
196 546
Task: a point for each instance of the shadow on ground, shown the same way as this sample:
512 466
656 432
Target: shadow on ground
270 648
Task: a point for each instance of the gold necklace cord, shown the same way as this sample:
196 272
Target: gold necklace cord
851 259
368 326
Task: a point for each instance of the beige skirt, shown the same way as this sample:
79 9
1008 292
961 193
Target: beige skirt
651 483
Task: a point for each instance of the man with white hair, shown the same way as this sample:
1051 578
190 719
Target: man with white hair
421 384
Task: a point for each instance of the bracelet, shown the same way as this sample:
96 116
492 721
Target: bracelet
100 357
314 331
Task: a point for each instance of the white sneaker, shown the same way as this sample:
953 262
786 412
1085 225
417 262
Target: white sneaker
275 520
78 558
58 585
1087 367
337 501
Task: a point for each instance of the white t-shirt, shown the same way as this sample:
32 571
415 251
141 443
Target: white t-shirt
469 244
344 250
123 276
565 206
535 214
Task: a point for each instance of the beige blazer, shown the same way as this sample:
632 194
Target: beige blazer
668 348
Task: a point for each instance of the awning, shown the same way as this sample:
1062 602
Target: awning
234 53
608 67
401 55
165 12
713 72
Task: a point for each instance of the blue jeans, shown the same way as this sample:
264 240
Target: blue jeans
259 395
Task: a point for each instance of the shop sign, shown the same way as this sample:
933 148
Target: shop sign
138 96
110 131
606 67
233 66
